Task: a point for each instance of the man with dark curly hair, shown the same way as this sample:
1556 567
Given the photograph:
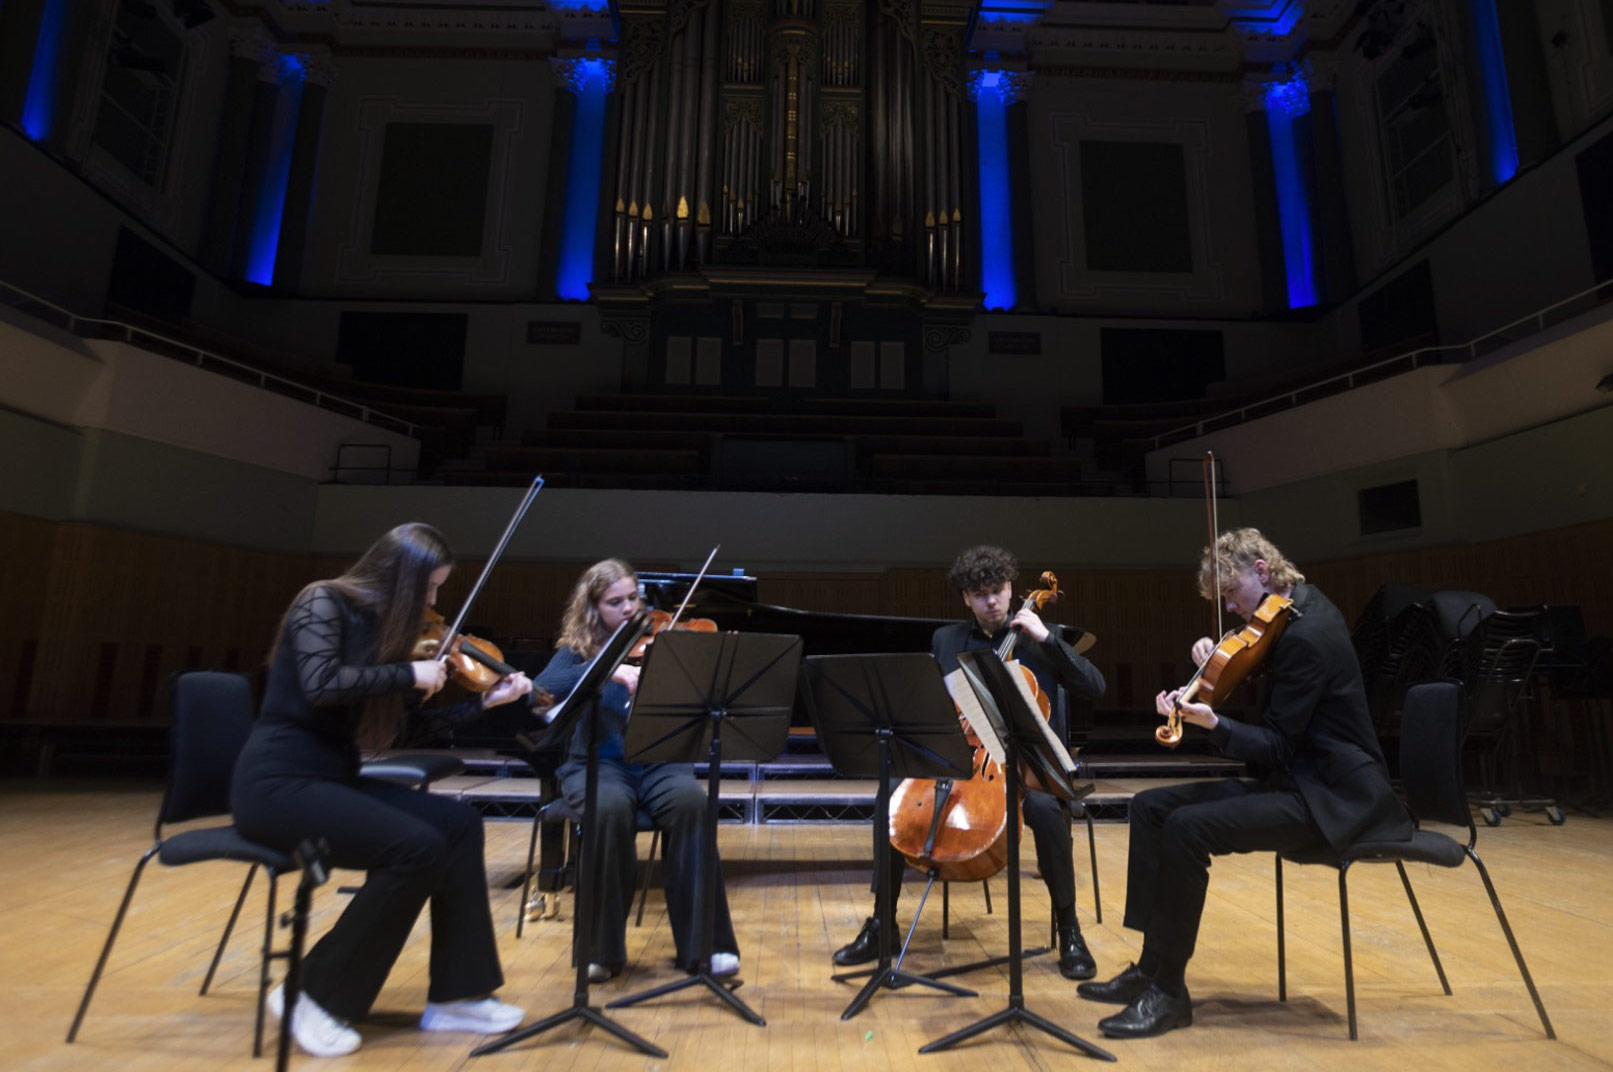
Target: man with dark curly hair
984 576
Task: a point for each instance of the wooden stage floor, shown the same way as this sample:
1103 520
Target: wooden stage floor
797 892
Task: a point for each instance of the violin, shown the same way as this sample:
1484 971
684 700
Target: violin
958 828
1233 659
662 621
472 662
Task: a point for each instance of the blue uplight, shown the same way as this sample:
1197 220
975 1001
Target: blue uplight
1497 100
990 90
39 106
265 242
1285 101
590 79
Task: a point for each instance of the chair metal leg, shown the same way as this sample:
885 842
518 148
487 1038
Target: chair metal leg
1282 950
526 883
644 886
1092 855
1349 964
946 910
985 884
263 965
106 949
1428 939
229 927
1517 954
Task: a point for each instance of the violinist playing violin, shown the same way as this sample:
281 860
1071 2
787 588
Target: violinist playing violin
343 675
984 576
605 596
1321 781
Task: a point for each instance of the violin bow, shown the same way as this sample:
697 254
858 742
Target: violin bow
476 589
1212 517
690 593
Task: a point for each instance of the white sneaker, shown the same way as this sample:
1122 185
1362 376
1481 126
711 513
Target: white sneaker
479 1016
599 973
724 964
316 1031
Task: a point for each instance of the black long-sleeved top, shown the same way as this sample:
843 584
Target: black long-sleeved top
1053 661
323 671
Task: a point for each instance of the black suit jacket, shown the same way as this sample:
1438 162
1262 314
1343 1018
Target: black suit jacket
1316 734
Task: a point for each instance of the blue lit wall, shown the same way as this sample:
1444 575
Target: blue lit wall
591 82
996 222
39 107
1497 100
1285 101
265 243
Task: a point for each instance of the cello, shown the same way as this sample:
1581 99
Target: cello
957 829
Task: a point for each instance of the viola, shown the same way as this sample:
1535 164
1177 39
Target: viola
472 662
1234 658
958 828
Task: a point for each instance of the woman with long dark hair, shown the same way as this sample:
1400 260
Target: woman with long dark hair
606 595
341 677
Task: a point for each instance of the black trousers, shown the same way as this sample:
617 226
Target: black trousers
416 848
676 803
1174 832
1049 825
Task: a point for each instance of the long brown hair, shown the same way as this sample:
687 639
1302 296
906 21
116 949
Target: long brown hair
582 629
389 582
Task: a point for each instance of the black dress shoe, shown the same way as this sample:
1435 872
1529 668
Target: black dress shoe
1075 961
861 949
1155 1013
1123 989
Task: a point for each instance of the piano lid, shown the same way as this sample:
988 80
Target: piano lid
730 600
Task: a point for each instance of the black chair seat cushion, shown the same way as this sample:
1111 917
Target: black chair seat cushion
1424 847
220 843
414 768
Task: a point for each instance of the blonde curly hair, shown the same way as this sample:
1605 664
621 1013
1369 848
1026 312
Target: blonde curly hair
1237 552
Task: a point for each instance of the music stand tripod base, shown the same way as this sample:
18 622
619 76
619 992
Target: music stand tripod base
695 687
1018 728
584 703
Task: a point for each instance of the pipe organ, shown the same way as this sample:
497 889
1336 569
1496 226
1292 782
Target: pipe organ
826 133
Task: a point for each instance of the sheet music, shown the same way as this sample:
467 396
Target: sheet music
969 706
1056 746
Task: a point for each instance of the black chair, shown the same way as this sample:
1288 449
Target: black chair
1497 667
558 813
1431 774
212 714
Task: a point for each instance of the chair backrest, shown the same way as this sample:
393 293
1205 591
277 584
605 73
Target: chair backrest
1460 612
212 715
1431 753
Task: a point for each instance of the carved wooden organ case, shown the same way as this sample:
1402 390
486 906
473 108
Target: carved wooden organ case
829 133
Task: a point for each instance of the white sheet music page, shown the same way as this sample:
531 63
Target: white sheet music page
969 706
1066 763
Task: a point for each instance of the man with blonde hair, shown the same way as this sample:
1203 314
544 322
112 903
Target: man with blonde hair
1319 779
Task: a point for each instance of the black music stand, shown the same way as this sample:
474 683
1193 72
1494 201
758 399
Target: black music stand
584 703
310 855
692 684
885 716
1022 732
